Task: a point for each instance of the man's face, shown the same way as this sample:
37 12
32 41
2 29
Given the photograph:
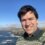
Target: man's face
29 22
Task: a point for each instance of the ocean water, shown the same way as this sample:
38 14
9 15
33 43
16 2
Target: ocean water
7 38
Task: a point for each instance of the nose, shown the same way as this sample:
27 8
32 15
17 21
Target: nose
27 23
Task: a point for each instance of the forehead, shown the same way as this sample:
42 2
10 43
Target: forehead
29 14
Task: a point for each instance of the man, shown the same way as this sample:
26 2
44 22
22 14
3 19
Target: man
29 20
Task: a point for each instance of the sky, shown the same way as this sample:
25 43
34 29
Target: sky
10 8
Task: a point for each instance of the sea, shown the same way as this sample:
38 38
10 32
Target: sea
7 38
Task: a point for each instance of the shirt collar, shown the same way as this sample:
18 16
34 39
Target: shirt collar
36 33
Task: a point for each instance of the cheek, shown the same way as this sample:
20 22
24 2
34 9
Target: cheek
35 23
23 24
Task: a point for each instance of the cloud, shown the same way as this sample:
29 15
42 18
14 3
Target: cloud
41 23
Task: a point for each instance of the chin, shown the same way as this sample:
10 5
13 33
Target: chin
30 32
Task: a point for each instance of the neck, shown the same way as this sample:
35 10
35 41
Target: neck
31 34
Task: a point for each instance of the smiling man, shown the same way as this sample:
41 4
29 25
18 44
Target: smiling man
29 20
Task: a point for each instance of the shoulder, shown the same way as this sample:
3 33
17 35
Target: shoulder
43 34
20 38
42 38
20 41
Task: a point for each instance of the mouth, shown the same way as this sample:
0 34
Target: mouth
29 28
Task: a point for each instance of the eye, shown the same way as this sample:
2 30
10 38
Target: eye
30 18
23 20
